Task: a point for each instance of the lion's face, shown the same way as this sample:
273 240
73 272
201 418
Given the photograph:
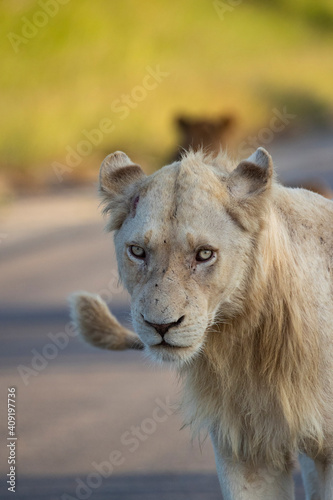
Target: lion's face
182 254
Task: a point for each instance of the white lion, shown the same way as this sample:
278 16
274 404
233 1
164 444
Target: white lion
231 279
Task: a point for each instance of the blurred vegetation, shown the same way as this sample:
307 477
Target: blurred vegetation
311 112
316 14
220 57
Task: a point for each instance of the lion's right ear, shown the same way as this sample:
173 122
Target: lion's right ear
116 177
117 172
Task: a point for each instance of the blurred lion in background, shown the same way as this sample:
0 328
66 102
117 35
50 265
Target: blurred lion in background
212 135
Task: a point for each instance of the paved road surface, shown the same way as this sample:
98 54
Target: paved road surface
80 409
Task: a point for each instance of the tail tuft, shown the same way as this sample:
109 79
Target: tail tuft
98 326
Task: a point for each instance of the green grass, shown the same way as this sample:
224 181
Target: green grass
89 54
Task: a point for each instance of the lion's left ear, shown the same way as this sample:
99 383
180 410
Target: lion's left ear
252 176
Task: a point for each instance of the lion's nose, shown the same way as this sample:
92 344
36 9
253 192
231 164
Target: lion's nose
164 327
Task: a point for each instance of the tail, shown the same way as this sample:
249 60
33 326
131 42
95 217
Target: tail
98 326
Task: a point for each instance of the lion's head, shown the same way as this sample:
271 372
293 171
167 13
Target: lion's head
184 237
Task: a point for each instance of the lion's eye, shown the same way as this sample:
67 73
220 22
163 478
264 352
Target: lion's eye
204 255
138 252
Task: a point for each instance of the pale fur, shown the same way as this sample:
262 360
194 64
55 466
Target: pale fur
97 326
255 350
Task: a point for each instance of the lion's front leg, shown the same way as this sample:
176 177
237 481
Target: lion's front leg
325 473
240 481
